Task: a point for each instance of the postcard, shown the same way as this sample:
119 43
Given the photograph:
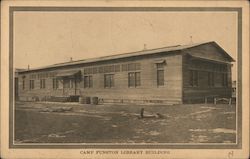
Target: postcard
124 79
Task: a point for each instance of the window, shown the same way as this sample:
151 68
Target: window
160 74
160 77
210 79
224 80
124 67
71 83
109 81
32 84
65 83
102 69
23 84
42 83
117 68
55 83
95 70
193 81
88 82
134 79
131 67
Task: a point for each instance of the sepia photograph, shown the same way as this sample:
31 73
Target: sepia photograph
125 77
121 77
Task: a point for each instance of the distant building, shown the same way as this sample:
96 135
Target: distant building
177 74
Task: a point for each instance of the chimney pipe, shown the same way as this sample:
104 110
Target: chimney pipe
191 39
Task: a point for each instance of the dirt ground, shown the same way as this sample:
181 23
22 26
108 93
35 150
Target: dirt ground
194 123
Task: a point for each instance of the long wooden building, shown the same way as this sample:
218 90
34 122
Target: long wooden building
176 74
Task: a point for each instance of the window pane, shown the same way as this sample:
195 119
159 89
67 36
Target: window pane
72 81
225 80
131 79
131 66
86 81
137 79
95 70
124 67
222 79
57 83
191 78
54 83
160 77
100 69
23 84
160 65
138 66
106 81
210 79
195 83
112 82
117 68
66 83
90 82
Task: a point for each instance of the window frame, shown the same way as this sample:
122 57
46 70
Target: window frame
23 84
42 83
71 83
210 79
224 80
134 80
110 79
55 83
31 84
160 68
193 78
88 81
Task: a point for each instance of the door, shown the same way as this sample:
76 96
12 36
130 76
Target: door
71 86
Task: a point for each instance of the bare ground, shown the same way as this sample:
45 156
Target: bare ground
196 123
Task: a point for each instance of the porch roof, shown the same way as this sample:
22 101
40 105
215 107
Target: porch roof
68 74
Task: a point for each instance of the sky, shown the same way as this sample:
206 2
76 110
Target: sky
45 38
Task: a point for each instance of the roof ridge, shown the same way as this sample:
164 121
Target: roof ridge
126 53
123 55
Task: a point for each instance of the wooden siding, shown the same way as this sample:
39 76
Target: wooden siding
203 89
148 90
208 51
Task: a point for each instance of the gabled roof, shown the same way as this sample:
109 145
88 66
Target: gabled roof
133 54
